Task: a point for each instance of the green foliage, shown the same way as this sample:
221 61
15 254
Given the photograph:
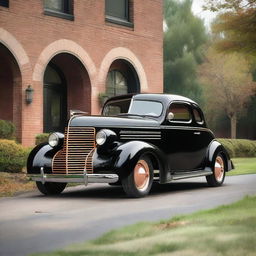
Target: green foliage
228 85
234 30
239 147
184 38
103 96
41 138
236 23
233 5
7 130
13 156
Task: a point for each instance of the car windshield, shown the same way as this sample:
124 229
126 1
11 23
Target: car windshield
136 108
117 107
146 108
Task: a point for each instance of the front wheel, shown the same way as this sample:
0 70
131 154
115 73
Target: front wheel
50 188
139 182
218 176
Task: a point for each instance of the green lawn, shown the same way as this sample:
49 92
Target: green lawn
243 166
224 231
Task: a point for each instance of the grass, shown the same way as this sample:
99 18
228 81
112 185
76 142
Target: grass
243 166
224 231
13 183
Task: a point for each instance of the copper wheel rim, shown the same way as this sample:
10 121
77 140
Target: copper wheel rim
141 175
219 169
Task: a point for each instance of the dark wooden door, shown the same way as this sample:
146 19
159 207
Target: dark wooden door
55 101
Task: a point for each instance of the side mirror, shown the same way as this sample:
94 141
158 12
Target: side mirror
170 116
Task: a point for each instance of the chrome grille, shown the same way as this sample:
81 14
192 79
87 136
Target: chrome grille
77 152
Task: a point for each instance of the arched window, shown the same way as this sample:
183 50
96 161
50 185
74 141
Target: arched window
116 83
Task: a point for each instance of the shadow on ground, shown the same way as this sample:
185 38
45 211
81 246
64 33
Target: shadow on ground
116 192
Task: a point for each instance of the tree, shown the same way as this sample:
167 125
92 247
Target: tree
237 23
183 40
228 85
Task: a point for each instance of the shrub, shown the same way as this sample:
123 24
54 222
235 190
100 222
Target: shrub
7 130
13 156
103 96
41 138
239 147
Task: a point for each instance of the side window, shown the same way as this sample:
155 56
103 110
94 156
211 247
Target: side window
198 116
181 112
119 12
59 8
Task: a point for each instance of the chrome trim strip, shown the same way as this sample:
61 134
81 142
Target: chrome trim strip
156 128
185 128
141 135
140 132
75 178
195 174
141 138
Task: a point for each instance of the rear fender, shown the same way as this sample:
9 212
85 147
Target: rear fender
213 150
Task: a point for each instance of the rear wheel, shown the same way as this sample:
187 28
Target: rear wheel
50 188
218 176
139 182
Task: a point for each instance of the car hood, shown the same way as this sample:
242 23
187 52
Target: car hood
113 122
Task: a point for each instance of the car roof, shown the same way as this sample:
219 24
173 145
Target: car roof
164 98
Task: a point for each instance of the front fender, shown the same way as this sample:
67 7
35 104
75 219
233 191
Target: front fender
129 153
41 156
215 148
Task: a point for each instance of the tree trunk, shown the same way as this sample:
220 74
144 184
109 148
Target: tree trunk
233 121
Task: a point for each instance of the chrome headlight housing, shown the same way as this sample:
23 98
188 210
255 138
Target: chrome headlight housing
105 136
101 137
55 139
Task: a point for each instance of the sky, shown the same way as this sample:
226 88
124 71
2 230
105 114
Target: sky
207 16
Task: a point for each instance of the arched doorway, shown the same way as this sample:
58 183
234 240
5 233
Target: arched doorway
55 99
10 89
122 78
66 86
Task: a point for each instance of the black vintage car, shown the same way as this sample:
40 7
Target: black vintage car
138 140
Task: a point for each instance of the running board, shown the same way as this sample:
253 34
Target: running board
191 174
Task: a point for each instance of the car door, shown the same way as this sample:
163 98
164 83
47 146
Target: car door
178 137
201 138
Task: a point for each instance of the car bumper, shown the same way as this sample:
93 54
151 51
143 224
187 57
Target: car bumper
74 178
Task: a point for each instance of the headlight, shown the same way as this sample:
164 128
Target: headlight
101 137
53 139
105 137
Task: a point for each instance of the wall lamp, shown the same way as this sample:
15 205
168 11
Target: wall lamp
29 94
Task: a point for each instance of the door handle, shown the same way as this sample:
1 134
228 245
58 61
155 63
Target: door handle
197 133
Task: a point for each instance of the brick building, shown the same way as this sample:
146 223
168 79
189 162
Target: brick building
70 51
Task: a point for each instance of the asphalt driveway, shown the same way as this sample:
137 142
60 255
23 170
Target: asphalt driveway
33 223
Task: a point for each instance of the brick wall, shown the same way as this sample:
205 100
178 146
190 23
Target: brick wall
35 38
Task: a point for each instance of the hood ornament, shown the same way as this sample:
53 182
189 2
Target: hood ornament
75 112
